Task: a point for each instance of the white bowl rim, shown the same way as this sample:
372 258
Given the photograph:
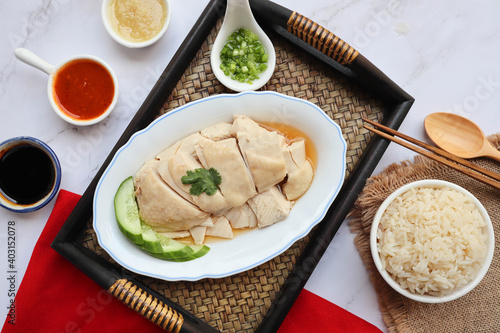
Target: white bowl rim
117 38
428 298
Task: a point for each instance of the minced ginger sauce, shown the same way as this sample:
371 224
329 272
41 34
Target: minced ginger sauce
137 20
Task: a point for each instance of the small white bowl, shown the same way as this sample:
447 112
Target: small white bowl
105 15
31 59
11 205
429 298
64 115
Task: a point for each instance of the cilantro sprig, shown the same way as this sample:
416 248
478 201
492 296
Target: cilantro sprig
202 180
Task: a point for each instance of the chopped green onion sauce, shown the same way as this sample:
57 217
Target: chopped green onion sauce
243 56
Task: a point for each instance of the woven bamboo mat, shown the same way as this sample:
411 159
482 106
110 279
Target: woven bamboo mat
239 302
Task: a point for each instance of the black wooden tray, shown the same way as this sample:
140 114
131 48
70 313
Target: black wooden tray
321 45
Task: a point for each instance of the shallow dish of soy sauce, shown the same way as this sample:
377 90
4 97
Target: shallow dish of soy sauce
30 174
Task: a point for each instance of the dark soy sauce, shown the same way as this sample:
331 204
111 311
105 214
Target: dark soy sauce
26 174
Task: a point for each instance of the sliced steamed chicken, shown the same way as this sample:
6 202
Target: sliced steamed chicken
186 146
224 156
262 153
198 233
176 167
241 217
245 124
221 228
175 234
299 169
159 205
270 207
218 132
298 183
251 161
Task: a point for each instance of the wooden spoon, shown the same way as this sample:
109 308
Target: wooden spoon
459 136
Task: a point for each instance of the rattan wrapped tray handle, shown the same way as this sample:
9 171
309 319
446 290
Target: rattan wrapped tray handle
147 305
321 39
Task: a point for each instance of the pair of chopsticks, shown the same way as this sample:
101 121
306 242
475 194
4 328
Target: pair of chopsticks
437 154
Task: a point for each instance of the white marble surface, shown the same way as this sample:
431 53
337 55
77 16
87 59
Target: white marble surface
445 54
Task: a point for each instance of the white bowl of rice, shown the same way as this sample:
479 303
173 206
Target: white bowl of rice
432 241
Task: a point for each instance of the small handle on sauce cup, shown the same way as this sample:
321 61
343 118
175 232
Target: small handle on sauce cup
32 59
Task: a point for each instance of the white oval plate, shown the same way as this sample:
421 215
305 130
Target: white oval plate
249 249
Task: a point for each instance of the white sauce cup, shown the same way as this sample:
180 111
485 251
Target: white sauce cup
105 15
31 59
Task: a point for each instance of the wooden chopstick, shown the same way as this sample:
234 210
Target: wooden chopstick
437 154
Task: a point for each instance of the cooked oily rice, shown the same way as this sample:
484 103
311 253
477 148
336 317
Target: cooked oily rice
431 240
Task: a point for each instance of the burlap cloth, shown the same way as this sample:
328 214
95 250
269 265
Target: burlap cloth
479 310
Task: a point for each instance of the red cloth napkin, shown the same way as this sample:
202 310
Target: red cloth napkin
54 296
312 313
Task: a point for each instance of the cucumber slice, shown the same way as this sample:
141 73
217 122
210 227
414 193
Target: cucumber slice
127 212
151 240
199 251
141 234
172 249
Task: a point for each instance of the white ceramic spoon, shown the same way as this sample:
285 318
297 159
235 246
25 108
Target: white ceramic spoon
239 15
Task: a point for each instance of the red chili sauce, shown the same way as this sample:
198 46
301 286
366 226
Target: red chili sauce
83 89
